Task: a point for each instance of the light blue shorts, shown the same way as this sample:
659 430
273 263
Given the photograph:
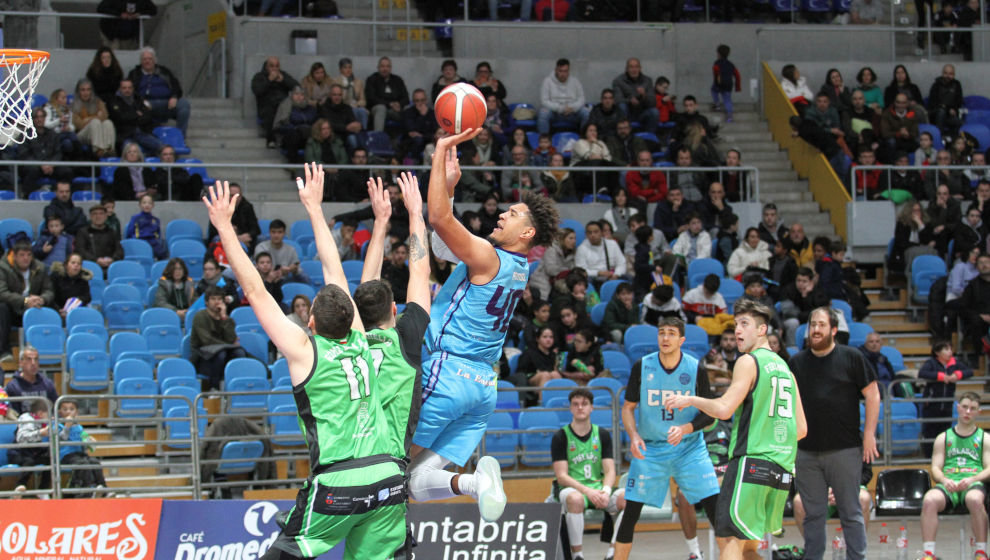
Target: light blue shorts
458 397
688 463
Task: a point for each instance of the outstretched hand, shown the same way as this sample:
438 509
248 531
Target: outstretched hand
411 197
220 204
447 149
311 194
380 203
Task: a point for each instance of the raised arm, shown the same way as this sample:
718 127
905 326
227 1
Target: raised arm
418 289
311 195
382 208
290 339
474 251
743 378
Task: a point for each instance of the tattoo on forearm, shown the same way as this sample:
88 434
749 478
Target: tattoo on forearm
417 247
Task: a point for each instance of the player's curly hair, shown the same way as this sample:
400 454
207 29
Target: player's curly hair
544 217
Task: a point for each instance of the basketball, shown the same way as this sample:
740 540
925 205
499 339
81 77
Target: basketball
460 107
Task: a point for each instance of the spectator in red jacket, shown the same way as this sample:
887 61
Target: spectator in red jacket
868 180
649 184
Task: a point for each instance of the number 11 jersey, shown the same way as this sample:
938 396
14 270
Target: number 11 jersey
469 320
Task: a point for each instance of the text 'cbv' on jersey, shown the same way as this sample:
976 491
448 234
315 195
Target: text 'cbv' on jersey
656 382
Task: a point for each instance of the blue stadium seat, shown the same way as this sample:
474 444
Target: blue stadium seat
608 383
89 370
540 426
280 370
42 196
506 400
617 363
163 341
300 231
135 386
138 250
313 269
905 430
83 316
858 333
285 427
843 306
696 341
49 340
244 367
575 225
128 272
640 340
801 335
699 268
246 454
352 270
598 313
925 269
522 123
256 402
379 144
96 283
173 137
122 306
181 391
978 131
159 316
292 289
7 195
731 290
177 372
183 229
976 102
563 142
85 196
77 342
502 446
9 226
608 290
244 315
894 356
177 427
192 253
124 343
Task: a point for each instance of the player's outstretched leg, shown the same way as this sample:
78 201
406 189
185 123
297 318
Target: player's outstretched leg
429 481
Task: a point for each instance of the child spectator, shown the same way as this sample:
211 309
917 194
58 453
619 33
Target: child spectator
727 239
71 435
54 245
694 242
144 225
726 78
706 307
71 284
567 325
109 204
32 428
926 152
620 313
661 303
270 276
541 319
537 365
544 149
658 244
666 103
583 360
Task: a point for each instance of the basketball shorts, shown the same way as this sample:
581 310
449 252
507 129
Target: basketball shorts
955 500
751 504
689 465
611 508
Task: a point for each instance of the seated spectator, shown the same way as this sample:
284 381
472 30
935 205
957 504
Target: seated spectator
871 184
448 76
557 180
691 116
70 282
33 427
176 290
620 313
606 114
322 146
566 325
419 124
62 206
647 185
561 98
271 86
691 183
72 450
899 126
703 150
926 152
386 93
799 246
755 290
945 100
796 88
353 88
601 258
104 74
284 256
905 183
557 261
624 146
516 138
97 242
738 184
981 198
911 231
660 303
944 214
487 84
783 270
24 283
828 271
839 96
705 307
956 183
124 30
826 118
665 101
975 303
132 182
647 259
573 292
979 171
213 277
245 221
213 339
590 149
515 182
299 312
293 122
540 155
53 245
486 148
694 242
91 120
633 94
798 300
618 215
316 85
971 233
941 372
961 274
28 381
881 365
727 239
342 117
343 237
865 12
771 229
901 83
161 89
583 360
861 124
144 225
44 147
714 207
752 253
866 80
727 347
59 119
537 365
131 117
396 272
671 215
175 183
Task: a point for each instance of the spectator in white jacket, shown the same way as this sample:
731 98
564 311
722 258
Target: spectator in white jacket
562 98
694 242
796 88
753 251
601 258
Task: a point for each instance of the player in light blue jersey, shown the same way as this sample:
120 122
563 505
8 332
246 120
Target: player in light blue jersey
665 444
468 322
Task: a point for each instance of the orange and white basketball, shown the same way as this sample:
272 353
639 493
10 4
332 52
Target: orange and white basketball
460 107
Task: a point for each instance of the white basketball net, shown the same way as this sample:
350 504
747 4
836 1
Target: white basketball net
19 74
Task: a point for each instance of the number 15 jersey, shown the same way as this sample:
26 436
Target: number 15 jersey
470 320
765 425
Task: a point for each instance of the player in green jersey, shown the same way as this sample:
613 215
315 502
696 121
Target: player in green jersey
960 467
356 490
584 469
764 439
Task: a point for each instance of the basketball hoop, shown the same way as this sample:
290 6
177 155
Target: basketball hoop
19 73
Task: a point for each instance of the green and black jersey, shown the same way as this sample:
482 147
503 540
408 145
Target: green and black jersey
396 357
765 425
339 410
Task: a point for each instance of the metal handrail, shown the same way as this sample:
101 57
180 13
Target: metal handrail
206 69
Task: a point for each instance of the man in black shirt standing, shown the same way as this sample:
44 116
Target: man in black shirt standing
830 380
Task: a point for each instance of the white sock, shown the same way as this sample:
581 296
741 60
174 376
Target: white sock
928 547
615 532
467 484
575 528
427 479
981 546
693 546
611 551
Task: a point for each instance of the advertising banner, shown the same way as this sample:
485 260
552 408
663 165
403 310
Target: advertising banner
79 529
457 532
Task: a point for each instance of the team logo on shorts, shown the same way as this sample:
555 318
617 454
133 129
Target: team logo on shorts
383 494
329 499
684 379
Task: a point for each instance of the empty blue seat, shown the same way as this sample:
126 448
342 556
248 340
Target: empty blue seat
844 307
313 269
129 272
183 229
608 290
640 340
731 290
123 342
280 370
695 341
177 426
540 426
163 341
173 137
139 251
255 344
498 444
136 387
244 367
245 455
176 372
598 313
48 340
698 269
925 269
248 403
858 333
122 306
617 363
159 316
83 316
352 270
605 383
285 426
379 144
978 131
291 289
89 370
575 225
9 226
42 196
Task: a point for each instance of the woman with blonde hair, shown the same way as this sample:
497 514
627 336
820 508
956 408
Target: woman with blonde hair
92 121
912 236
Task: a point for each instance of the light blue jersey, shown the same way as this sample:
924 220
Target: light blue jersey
656 382
470 321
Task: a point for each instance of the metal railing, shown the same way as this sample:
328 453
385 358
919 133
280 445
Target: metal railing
217 54
83 15
860 190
